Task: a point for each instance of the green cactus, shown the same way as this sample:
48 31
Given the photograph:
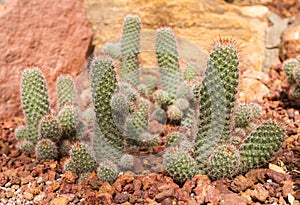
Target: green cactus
216 98
64 147
35 100
49 128
289 66
103 86
130 48
69 165
137 123
159 115
174 138
174 113
82 159
107 171
25 146
168 60
180 165
191 71
294 93
162 98
65 90
223 162
46 149
21 132
182 104
112 49
68 118
261 144
242 115
126 162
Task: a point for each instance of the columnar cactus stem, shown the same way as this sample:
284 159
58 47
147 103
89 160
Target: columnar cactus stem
65 90
35 100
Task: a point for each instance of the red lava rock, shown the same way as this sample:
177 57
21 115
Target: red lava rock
287 188
259 193
41 33
276 176
257 175
148 181
241 183
3 148
222 185
167 201
106 188
105 198
212 195
122 180
182 195
233 199
93 181
128 188
3 179
121 197
65 188
69 177
169 193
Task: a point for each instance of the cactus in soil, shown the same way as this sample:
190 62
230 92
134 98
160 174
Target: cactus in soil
65 90
80 157
288 67
107 171
113 50
103 85
26 146
180 165
260 146
46 149
224 161
130 48
49 128
212 132
35 100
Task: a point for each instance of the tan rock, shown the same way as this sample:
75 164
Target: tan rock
290 41
56 38
201 22
59 201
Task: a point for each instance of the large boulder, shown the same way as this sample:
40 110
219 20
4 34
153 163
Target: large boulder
54 35
199 21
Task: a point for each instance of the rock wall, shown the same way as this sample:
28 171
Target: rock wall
54 35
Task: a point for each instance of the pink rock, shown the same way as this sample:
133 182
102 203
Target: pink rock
53 35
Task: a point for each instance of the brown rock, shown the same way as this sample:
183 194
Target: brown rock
212 195
59 201
164 194
259 193
241 183
121 197
3 179
69 177
200 22
106 188
252 90
56 38
233 199
290 40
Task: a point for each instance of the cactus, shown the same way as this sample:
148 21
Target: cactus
46 149
174 113
35 101
49 128
21 132
224 161
68 119
107 171
65 90
130 46
174 138
112 49
126 161
81 158
191 71
261 144
180 165
103 85
289 66
26 146
168 60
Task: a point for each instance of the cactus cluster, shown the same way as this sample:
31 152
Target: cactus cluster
217 136
204 130
291 67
